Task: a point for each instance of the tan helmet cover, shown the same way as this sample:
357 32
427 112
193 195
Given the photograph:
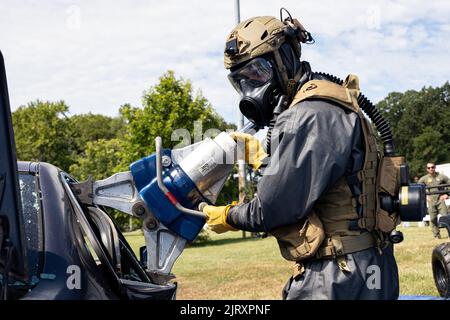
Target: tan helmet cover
255 37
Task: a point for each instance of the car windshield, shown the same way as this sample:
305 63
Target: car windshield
32 222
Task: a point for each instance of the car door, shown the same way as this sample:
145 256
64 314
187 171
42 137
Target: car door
13 257
45 231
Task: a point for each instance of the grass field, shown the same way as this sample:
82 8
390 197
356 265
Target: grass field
230 267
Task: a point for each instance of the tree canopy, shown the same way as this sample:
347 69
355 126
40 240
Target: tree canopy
99 146
420 122
99 159
169 109
42 133
92 127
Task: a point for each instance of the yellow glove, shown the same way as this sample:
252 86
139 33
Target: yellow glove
217 218
254 152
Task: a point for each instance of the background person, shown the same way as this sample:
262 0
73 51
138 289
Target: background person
436 203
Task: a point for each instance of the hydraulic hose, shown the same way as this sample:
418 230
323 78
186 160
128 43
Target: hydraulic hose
383 127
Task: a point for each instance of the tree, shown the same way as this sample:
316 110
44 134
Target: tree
99 159
170 110
92 127
167 107
420 122
42 133
97 145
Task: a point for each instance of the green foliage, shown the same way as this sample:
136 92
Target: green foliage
98 160
230 191
420 122
99 146
168 106
424 146
171 111
42 133
202 238
92 127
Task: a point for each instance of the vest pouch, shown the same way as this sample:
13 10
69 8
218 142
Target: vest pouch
300 241
386 222
389 175
388 183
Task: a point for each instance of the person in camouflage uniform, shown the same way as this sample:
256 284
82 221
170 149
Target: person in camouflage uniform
436 202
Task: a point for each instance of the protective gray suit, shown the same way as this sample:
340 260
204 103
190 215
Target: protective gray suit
314 144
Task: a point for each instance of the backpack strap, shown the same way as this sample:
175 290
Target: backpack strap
346 95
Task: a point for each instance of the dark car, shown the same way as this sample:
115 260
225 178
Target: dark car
74 251
51 245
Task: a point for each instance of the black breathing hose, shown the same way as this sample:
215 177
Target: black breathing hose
281 106
382 125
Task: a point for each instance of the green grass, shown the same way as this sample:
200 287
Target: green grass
414 261
229 267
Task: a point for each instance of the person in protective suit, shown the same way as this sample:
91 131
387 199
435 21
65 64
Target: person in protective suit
317 194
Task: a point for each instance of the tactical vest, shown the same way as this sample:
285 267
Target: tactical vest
344 219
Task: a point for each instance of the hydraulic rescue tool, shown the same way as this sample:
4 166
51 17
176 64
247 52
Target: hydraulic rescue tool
165 190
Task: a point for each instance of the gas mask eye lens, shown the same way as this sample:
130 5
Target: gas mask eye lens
254 74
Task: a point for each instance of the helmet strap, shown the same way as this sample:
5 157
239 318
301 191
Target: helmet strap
289 85
282 70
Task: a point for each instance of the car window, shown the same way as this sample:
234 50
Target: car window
32 222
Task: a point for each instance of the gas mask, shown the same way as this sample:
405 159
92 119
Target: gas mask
258 87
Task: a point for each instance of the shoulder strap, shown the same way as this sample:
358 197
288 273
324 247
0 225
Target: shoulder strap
346 95
368 177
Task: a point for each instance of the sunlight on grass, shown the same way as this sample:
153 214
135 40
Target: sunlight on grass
230 267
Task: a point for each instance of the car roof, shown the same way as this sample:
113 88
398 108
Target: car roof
28 166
